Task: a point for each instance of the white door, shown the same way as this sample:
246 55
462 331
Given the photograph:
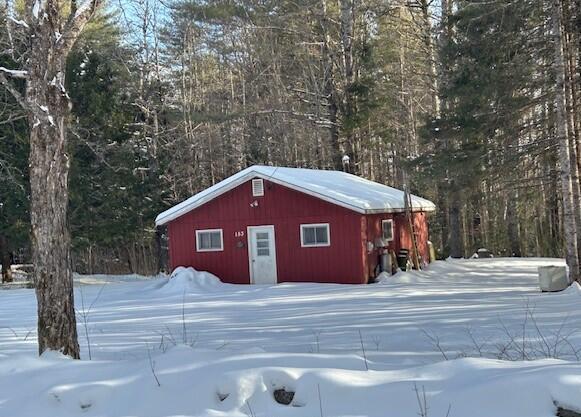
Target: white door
262 254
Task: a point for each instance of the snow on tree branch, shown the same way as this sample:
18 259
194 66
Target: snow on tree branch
39 5
13 90
14 73
18 22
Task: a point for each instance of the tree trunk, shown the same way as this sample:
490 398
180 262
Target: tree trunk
576 190
5 259
158 250
431 53
441 144
49 169
572 109
52 29
442 218
512 224
329 90
569 225
456 239
347 18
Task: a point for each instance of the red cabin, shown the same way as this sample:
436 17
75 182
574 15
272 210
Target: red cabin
266 224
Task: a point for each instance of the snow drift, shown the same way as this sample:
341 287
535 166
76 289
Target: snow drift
574 289
187 280
214 383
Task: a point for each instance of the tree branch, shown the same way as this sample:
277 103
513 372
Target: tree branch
9 85
76 21
14 73
18 22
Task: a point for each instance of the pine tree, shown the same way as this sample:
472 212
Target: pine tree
14 205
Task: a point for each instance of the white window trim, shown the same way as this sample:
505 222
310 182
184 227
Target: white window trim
316 245
258 194
199 231
392 231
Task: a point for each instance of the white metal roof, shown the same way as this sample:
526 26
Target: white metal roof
346 190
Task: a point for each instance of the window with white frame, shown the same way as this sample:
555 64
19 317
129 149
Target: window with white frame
387 230
257 188
313 235
209 240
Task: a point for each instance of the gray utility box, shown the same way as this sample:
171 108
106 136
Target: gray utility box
553 278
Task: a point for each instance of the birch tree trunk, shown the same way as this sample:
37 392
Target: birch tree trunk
569 225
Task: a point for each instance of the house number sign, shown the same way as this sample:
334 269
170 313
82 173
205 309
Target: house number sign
239 234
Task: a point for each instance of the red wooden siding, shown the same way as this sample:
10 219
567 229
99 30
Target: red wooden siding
344 261
421 231
401 235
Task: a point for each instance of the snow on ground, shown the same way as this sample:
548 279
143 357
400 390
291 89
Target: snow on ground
101 279
204 340
192 382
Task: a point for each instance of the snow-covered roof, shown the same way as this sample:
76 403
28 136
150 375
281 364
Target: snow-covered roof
340 188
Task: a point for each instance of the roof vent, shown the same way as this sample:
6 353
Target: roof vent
257 188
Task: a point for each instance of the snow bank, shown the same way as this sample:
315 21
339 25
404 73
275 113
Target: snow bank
204 383
383 278
402 277
186 280
101 279
573 289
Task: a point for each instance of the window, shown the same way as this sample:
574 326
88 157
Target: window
262 244
257 188
209 240
315 235
387 230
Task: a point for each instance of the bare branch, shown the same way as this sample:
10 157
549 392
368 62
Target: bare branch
14 73
13 90
18 22
77 20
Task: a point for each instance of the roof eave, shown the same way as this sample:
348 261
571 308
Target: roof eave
162 219
399 210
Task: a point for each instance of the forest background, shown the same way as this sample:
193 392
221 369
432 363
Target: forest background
468 103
